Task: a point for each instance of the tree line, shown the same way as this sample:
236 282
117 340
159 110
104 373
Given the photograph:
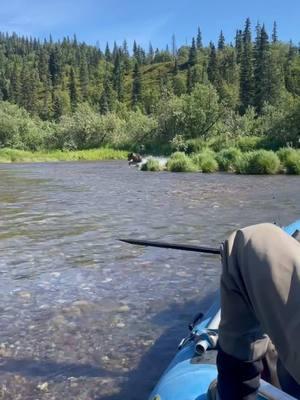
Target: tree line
190 91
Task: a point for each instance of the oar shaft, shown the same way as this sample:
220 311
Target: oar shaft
175 246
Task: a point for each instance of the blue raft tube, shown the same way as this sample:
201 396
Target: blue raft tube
194 366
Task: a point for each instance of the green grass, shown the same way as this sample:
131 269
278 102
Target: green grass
227 158
292 163
151 165
259 162
179 162
13 155
205 161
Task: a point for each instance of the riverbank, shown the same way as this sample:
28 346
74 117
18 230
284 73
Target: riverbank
258 162
102 154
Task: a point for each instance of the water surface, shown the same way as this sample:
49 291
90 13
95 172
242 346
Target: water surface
84 316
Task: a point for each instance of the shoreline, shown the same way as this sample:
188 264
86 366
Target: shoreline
8 156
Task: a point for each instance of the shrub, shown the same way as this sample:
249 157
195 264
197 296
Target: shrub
285 152
179 162
151 165
248 143
258 162
18 129
205 161
195 145
292 163
228 158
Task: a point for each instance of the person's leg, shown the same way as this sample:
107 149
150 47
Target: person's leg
260 292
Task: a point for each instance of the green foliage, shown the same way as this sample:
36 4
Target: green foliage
13 155
258 162
228 158
201 111
195 145
151 165
18 130
248 143
205 161
290 159
179 162
284 153
222 96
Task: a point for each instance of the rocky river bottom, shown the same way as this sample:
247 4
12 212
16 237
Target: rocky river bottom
84 316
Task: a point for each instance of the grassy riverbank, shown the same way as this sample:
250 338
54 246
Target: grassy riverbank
13 155
258 162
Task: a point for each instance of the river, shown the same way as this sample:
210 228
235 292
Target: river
83 316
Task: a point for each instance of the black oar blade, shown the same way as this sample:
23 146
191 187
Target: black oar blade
165 245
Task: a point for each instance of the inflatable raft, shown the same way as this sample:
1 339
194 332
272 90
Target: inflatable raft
193 368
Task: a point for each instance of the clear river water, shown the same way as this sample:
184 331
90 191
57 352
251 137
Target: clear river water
84 316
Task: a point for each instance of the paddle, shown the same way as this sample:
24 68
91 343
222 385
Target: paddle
165 245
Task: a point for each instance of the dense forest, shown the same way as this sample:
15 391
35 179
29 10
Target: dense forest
70 95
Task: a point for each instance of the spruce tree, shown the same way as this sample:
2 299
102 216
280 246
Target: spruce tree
199 39
239 45
193 54
106 99
136 85
84 79
118 77
274 33
150 53
267 75
73 90
55 65
246 71
15 85
107 53
212 68
221 41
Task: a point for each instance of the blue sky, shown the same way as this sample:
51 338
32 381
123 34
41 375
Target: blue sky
151 20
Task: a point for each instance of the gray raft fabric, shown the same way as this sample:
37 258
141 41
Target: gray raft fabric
260 292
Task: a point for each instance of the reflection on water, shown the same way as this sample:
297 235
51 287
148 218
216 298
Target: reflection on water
83 316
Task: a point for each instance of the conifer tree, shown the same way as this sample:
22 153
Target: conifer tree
267 81
106 99
15 85
55 67
212 68
193 54
150 53
84 79
118 77
136 85
221 41
199 39
274 33
73 90
107 53
239 45
246 72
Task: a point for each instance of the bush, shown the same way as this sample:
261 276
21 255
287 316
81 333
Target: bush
258 162
19 130
248 143
285 152
195 145
228 158
205 161
151 165
292 163
179 162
